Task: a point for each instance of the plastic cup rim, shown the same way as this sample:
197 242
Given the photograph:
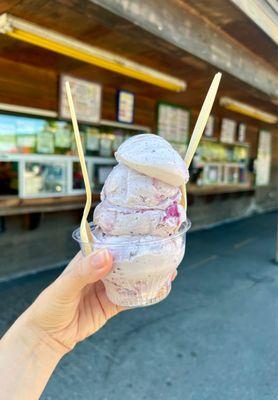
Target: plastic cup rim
185 226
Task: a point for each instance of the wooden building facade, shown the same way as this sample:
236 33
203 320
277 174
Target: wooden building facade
190 40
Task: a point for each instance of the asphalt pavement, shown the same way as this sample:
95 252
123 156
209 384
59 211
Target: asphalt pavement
214 338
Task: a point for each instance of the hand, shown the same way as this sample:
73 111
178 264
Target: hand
70 309
75 305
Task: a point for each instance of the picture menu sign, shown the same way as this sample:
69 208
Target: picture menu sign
263 164
86 97
18 134
209 129
45 142
125 106
228 131
173 122
241 133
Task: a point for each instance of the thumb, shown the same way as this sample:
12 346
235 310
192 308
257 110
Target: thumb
82 271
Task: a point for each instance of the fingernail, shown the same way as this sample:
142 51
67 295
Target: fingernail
99 258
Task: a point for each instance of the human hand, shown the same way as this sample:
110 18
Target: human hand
66 312
75 305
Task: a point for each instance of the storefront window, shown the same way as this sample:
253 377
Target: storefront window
42 178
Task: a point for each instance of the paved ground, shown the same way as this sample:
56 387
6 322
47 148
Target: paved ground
214 338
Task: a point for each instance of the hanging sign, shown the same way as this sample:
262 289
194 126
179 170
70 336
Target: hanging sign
173 122
209 129
228 131
86 98
241 133
263 163
125 106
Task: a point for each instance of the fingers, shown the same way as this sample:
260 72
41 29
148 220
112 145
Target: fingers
84 270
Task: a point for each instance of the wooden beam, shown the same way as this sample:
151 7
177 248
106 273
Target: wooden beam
262 13
178 24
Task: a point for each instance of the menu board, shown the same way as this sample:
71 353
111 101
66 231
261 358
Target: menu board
263 163
26 141
86 97
173 122
125 106
7 142
92 139
228 131
209 129
105 149
19 132
62 135
241 133
45 142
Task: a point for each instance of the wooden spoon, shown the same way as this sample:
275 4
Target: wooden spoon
199 127
85 231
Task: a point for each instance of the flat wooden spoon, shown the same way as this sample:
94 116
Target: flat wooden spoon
199 128
85 231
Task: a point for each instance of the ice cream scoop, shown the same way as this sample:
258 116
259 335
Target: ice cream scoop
153 156
136 204
126 187
115 220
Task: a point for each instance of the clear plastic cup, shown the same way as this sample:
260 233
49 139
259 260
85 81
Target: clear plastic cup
143 266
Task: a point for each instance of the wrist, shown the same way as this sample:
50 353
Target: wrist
27 359
27 334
